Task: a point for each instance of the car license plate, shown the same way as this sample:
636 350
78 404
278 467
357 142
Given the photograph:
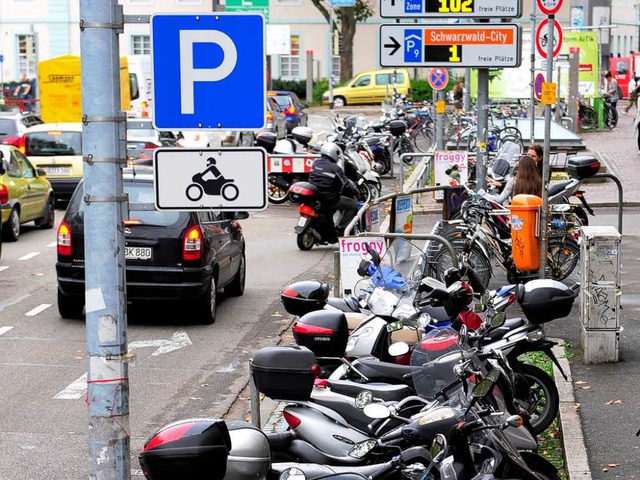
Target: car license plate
137 253
302 221
58 170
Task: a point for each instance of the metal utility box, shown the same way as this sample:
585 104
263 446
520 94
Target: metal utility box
600 293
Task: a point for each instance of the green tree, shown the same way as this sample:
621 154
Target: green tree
344 22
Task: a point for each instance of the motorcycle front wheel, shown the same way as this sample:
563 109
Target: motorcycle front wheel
536 393
194 192
305 240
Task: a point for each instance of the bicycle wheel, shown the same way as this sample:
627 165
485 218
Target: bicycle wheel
563 256
610 117
589 118
423 139
477 260
509 131
516 141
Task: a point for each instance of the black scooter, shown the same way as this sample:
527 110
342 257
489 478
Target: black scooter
315 225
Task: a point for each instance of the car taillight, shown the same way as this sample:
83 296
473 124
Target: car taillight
22 144
4 193
307 211
291 110
64 239
269 117
192 244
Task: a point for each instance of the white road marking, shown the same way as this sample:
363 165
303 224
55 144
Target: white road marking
74 391
29 256
14 301
4 267
180 339
4 330
52 244
37 310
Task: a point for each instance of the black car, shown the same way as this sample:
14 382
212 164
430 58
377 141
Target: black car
170 255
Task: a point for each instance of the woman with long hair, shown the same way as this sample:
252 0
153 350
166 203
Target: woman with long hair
526 181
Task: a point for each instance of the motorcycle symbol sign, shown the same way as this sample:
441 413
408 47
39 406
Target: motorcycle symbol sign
212 182
210 179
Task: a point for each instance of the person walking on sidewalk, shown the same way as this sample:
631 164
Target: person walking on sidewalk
611 89
634 87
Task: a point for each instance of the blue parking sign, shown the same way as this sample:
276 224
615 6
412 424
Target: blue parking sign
209 71
413 45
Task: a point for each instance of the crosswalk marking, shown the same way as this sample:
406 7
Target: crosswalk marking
37 310
29 256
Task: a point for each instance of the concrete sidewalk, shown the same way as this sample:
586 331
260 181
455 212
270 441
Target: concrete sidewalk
599 403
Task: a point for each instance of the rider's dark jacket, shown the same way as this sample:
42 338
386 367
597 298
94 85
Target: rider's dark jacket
329 178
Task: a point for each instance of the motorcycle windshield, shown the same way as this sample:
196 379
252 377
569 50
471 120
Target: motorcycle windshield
393 285
433 360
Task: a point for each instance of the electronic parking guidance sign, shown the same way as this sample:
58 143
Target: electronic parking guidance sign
441 45
451 8
209 71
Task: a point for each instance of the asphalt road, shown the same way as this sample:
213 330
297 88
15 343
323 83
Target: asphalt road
179 369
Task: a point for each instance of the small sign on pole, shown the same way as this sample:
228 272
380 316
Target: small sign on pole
548 96
549 7
537 86
541 38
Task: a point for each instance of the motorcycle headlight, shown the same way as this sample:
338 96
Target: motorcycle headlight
360 449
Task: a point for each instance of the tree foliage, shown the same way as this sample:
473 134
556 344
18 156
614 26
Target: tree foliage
345 21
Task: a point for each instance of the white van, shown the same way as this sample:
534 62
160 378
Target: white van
140 78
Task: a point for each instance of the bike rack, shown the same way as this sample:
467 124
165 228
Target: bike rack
620 203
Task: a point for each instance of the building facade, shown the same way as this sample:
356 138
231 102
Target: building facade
34 30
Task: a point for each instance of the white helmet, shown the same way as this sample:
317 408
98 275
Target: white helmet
330 150
284 146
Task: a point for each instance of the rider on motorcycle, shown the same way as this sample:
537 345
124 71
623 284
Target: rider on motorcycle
331 182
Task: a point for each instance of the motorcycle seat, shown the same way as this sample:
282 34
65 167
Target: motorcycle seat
373 368
509 325
349 304
385 391
557 187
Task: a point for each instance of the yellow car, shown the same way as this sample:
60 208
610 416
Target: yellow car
25 194
57 149
371 87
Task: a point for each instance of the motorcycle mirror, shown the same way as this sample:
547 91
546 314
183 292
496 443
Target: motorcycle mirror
292 474
486 297
482 389
398 348
463 335
377 410
375 256
363 267
363 399
438 447
498 319
479 307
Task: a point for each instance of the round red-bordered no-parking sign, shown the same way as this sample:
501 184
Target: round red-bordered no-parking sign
541 37
549 7
537 85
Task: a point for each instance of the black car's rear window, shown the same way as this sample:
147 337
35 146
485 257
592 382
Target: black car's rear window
142 192
8 127
54 142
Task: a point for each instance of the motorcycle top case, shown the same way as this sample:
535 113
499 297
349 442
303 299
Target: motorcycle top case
284 372
301 192
193 448
545 300
583 166
250 455
397 127
303 297
302 135
267 140
324 332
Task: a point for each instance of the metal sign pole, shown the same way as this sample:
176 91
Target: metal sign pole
532 106
331 54
546 156
106 321
483 123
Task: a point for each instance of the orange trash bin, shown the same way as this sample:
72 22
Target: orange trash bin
525 241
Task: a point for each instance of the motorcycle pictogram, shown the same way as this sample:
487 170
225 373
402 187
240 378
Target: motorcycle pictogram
214 184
